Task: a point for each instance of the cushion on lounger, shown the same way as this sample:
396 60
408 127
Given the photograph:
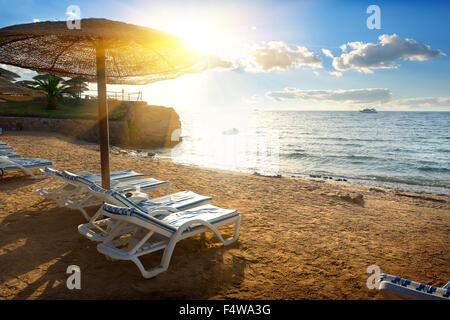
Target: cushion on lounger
207 212
4 153
52 171
76 178
29 163
116 175
440 292
180 200
135 212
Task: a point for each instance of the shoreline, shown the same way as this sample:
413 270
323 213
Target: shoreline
299 238
393 184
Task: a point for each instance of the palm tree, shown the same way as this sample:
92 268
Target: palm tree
54 88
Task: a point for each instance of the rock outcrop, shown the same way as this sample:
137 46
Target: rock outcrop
143 126
152 126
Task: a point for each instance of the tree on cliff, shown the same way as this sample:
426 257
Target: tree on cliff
54 87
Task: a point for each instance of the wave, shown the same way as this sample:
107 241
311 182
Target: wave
434 169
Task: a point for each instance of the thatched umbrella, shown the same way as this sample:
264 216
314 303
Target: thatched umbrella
101 51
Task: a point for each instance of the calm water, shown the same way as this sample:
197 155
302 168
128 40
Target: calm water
402 150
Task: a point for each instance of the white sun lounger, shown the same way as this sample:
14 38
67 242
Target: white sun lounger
6 147
84 198
2 143
21 164
395 288
98 228
162 233
69 188
8 154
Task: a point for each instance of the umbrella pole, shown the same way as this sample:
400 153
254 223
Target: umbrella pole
103 116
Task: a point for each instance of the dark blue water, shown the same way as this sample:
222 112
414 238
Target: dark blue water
403 150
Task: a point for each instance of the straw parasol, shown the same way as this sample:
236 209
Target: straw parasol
101 51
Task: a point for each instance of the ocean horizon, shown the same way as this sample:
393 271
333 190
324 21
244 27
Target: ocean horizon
403 150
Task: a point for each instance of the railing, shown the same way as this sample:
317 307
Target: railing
115 95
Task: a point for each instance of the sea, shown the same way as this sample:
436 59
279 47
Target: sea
408 151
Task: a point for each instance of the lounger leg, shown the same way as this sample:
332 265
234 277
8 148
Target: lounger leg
165 261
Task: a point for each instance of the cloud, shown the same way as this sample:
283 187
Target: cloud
268 57
279 56
36 20
423 102
352 96
327 53
254 99
365 57
216 62
336 74
343 47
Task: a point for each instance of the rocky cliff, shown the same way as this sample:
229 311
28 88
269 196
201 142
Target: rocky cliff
152 126
142 126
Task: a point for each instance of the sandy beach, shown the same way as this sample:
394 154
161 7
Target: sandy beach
299 239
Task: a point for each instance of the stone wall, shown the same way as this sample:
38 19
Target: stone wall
144 126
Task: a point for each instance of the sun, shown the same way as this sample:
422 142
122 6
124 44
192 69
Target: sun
209 33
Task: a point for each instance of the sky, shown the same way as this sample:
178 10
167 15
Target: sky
286 55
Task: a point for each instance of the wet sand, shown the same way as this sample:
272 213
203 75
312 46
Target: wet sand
299 239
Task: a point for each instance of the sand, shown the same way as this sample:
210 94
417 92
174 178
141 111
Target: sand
299 239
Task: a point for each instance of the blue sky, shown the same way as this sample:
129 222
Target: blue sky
259 41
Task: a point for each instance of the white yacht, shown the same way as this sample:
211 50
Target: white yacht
368 110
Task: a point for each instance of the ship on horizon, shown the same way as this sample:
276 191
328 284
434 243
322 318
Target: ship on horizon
368 110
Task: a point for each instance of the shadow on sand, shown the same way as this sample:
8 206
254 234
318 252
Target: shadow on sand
37 246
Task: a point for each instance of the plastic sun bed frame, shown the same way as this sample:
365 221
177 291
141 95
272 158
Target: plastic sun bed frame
75 194
23 164
162 233
99 227
70 188
396 288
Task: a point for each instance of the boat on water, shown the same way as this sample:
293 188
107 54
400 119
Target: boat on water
368 110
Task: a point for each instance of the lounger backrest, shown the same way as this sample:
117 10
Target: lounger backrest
115 197
134 211
103 193
76 178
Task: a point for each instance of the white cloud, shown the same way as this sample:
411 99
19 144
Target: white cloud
327 53
352 96
365 57
254 99
316 73
269 57
336 74
422 102
343 47
216 62
36 20
279 56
